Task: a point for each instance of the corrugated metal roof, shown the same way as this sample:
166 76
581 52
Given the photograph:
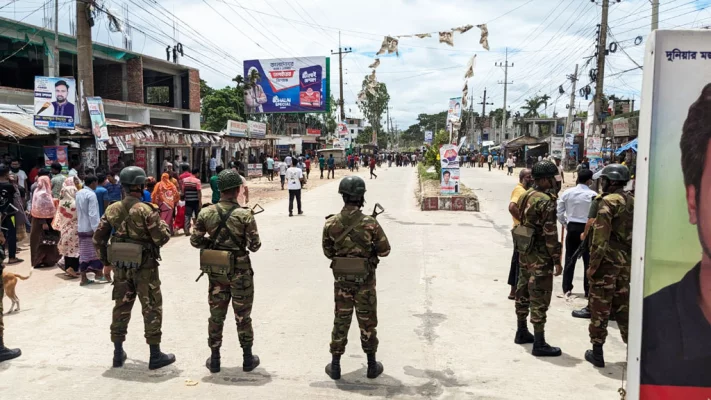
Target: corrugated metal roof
16 122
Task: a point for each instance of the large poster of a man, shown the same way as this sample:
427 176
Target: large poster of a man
55 100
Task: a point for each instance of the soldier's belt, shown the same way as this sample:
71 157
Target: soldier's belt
125 255
350 268
222 262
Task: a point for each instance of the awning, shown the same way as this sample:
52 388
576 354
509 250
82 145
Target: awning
17 122
494 148
627 146
534 146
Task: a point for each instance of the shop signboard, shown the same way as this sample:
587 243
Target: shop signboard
314 132
55 100
113 153
257 129
237 129
254 170
621 127
140 157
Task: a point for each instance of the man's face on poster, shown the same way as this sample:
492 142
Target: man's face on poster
446 177
61 92
698 202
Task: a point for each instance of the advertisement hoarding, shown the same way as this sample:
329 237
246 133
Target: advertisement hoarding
313 132
237 129
286 85
621 127
55 100
669 347
342 129
449 183
454 111
98 118
557 147
257 130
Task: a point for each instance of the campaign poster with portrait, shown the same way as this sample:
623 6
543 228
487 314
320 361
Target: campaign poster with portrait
454 111
670 297
55 102
287 85
98 119
428 137
59 154
449 184
449 156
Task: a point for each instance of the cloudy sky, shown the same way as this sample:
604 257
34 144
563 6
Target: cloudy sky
545 40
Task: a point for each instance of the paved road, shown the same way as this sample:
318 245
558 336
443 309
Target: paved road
446 328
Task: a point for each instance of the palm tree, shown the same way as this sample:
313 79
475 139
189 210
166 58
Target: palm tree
531 107
239 80
544 100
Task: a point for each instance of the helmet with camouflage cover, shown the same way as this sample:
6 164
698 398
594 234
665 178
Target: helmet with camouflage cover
353 186
616 173
228 179
544 169
131 176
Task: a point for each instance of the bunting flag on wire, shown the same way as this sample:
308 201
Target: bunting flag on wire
447 37
388 46
465 94
470 67
484 41
375 64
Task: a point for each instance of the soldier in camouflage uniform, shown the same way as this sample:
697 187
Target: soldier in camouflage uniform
610 260
5 353
236 234
135 222
365 240
535 282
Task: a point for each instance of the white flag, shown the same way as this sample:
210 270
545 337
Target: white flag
484 41
470 67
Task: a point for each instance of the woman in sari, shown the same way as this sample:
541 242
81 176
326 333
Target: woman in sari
66 223
43 246
165 194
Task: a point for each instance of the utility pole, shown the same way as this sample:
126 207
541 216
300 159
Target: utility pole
55 50
341 52
571 107
85 70
601 53
655 15
506 84
483 113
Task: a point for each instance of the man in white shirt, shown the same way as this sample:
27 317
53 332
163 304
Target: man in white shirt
20 174
213 166
282 173
294 177
87 221
573 209
510 164
560 178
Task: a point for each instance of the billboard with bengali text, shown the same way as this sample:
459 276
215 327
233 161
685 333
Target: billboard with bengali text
55 103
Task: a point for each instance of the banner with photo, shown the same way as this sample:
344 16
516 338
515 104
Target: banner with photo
287 85
449 156
670 301
57 154
428 137
557 147
98 118
450 181
454 111
55 100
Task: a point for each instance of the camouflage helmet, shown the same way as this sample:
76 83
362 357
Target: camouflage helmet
132 176
352 186
616 173
544 169
228 179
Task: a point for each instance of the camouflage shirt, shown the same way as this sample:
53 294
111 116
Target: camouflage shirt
130 219
240 224
360 241
539 213
612 235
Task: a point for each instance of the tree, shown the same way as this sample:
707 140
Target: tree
219 106
365 136
532 105
205 90
373 105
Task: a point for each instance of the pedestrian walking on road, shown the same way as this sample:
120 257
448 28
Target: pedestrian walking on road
489 160
510 165
354 242
331 167
525 180
270 168
573 210
502 161
307 163
233 230
540 256
294 181
165 196
88 221
213 185
372 168
65 222
560 176
138 228
283 166
321 164
610 261
192 189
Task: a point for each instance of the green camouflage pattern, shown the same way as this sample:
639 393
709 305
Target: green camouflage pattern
238 284
130 219
228 179
610 265
2 294
535 283
143 283
241 224
367 240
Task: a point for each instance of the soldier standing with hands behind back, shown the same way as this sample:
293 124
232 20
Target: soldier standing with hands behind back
134 252
538 259
353 242
225 259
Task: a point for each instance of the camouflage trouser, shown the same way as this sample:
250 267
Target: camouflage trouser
144 283
609 294
2 294
533 291
240 289
364 299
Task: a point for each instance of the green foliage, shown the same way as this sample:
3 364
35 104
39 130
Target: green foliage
430 159
373 106
365 136
219 106
205 90
422 169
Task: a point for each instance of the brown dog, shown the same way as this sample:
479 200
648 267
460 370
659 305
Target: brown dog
9 281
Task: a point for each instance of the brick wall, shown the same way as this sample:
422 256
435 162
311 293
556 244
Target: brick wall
108 81
194 95
134 73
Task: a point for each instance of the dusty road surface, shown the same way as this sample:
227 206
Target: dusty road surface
446 327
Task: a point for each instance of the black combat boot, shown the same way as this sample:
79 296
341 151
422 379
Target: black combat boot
543 349
249 361
119 355
213 363
582 313
7 354
334 368
523 335
375 368
595 356
159 359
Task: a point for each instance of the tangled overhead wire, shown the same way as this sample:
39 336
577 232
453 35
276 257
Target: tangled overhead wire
585 92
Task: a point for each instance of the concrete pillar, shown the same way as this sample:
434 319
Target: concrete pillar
134 72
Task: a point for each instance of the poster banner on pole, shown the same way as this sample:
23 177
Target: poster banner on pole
557 147
114 154
140 157
449 156
454 112
57 154
449 183
670 326
98 118
286 85
594 149
55 100
428 136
